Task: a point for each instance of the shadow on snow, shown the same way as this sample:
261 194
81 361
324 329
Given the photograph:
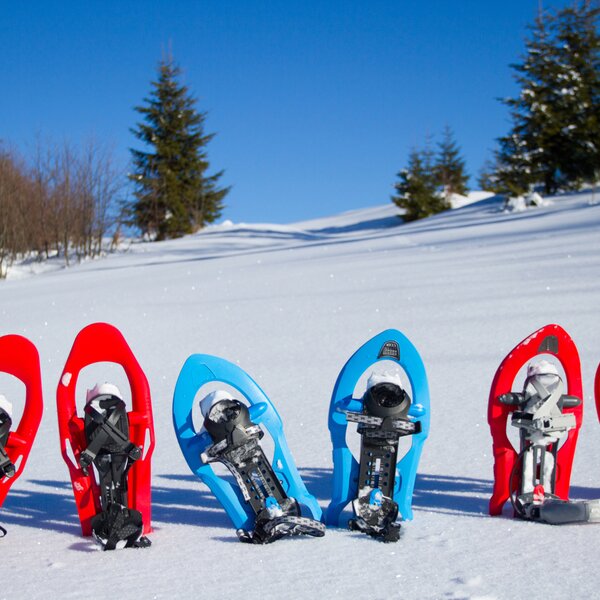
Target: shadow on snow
190 503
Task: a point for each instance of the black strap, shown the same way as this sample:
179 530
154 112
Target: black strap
105 434
6 466
236 445
388 532
377 471
254 475
257 482
117 524
113 455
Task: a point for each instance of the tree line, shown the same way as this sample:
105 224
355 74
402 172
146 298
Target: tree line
67 199
554 141
59 204
427 185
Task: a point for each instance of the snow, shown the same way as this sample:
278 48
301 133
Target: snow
516 204
540 368
290 304
210 400
384 377
6 405
458 201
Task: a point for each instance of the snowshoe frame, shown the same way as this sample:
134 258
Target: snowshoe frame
20 358
550 340
389 345
101 342
200 369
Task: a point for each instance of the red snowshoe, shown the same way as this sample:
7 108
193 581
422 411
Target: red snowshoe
108 449
18 357
550 340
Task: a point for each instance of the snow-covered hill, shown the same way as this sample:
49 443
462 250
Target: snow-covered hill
290 304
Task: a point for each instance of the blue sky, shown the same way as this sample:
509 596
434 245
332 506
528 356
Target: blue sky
315 104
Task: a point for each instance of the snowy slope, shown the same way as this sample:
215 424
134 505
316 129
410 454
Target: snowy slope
290 304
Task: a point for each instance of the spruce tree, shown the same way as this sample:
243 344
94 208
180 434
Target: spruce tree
578 50
555 135
417 190
173 193
525 154
450 166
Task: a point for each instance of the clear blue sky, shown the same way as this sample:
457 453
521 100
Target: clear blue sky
316 104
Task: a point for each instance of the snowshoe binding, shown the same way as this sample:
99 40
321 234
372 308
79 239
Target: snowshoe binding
542 423
112 454
267 499
378 485
236 444
382 422
7 468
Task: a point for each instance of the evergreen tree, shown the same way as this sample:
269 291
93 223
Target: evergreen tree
555 136
450 166
174 195
578 49
417 191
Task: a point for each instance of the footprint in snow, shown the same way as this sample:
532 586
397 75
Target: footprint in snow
467 589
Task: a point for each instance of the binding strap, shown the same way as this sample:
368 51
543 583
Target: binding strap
7 468
236 445
382 423
272 529
105 435
113 454
119 524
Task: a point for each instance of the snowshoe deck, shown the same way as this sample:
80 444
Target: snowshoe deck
549 340
261 484
19 357
101 342
395 479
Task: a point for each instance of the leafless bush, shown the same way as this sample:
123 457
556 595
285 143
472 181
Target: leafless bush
64 203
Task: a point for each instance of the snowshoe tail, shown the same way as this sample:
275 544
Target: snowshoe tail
594 511
555 511
561 512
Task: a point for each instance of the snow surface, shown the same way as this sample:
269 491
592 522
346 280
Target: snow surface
290 304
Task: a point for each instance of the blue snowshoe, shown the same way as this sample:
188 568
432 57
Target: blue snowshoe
379 484
269 498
